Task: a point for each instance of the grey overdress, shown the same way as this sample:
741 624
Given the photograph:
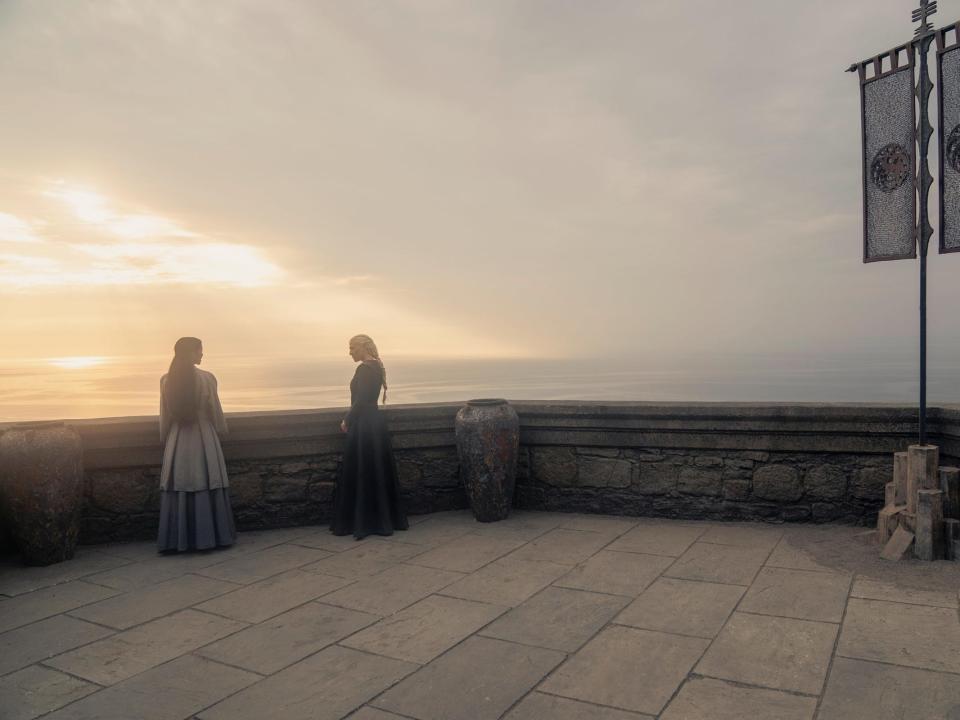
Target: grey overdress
195 511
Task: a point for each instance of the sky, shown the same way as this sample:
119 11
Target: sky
492 178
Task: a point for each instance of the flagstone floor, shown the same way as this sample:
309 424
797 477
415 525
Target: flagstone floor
545 615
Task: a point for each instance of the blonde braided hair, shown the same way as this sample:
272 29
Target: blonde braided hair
366 343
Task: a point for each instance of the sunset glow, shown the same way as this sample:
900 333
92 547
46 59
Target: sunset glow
86 204
16 230
461 180
95 209
98 245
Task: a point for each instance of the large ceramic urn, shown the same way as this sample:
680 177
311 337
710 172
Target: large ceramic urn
488 440
41 490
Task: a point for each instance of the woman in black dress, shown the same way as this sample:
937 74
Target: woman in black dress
367 498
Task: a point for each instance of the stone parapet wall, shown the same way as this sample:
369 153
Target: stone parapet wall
711 484
728 461
772 462
282 467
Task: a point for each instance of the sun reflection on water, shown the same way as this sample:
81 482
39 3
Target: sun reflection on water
77 362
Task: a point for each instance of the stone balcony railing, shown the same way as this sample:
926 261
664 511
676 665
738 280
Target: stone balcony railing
774 462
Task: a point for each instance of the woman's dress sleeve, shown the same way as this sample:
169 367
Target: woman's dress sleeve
165 420
367 391
216 409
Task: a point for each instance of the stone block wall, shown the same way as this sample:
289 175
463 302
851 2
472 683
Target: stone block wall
725 485
282 468
125 503
725 461
721 461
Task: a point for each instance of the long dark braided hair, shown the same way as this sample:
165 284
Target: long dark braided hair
179 391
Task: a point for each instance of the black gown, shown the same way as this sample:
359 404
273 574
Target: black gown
367 497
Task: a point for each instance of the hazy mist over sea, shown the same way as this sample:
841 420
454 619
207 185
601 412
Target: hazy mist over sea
116 386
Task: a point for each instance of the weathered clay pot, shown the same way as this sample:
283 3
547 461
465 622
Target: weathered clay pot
41 484
488 440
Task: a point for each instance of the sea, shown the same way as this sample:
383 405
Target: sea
88 387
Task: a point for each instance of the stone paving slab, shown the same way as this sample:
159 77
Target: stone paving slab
325 686
426 629
540 706
50 601
522 532
787 555
507 581
287 638
659 538
771 652
557 618
629 669
16 579
265 599
129 653
709 699
367 559
477 680
728 564
149 603
462 515
684 607
751 536
263 563
912 635
393 589
173 691
467 553
799 594
36 690
325 540
562 546
860 690
612 525
44 639
435 531
699 599
371 713
616 573
155 570
870 589
133 551
262 539
520 520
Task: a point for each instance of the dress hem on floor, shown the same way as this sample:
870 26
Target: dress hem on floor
200 520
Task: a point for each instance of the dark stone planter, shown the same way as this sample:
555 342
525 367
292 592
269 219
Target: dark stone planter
41 490
488 439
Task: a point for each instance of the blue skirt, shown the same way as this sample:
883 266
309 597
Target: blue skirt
195 520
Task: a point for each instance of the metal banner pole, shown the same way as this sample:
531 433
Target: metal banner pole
925 180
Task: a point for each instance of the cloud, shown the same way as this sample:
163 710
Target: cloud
351 279
100 246
95 210
17 230
161 262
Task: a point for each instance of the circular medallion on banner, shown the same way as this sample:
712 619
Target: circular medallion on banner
890 168
952 150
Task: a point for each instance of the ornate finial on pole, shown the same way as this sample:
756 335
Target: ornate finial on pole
922 15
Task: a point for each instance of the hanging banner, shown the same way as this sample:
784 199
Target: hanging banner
889 156
948 127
